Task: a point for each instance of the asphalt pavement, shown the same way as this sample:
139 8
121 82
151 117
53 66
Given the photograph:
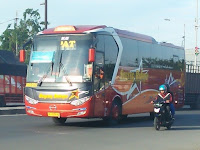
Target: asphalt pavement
136 132
21 110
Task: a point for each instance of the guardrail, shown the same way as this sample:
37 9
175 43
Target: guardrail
192 68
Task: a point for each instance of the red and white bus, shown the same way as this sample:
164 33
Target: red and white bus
99 71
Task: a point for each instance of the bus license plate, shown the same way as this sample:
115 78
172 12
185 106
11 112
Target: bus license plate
53 114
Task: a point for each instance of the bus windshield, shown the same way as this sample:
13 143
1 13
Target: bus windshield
59 58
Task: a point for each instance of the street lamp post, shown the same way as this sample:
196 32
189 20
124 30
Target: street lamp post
196 28
183 42
184 37
196 48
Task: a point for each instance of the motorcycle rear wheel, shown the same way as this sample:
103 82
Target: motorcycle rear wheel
169 126
156 123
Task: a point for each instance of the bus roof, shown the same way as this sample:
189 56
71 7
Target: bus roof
144 38
71 29
136 36
122 33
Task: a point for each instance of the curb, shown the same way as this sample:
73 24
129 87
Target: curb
12 110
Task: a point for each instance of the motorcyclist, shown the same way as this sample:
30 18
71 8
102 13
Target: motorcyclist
164 95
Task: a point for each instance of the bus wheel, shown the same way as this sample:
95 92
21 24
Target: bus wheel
2 102
124 117
59 121
116 113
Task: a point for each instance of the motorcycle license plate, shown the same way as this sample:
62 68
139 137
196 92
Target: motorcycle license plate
156 110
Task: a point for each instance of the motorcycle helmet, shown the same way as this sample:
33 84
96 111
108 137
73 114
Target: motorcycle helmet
162 88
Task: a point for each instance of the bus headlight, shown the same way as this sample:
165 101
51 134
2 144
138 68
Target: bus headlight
79 101
31 100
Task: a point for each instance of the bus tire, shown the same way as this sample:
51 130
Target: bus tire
116 113
2 101
124 117
59 121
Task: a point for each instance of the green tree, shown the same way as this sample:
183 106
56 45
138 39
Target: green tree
28 26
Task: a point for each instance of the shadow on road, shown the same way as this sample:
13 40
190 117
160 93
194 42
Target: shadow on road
129 122
183 121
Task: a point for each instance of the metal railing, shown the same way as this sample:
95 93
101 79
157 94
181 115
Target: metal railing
192 68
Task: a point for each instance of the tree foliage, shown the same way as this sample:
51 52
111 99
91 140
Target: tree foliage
28 26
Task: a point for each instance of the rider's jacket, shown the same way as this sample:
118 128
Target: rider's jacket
165 96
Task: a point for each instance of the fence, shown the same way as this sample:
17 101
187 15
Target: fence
192 68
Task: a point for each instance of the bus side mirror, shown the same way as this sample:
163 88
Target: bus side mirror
22 54
91 55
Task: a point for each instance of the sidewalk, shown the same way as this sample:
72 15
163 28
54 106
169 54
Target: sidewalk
12 110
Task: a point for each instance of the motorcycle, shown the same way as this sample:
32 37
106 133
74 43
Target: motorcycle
162 117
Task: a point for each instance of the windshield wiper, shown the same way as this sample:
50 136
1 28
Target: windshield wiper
40 81
64 69
60 63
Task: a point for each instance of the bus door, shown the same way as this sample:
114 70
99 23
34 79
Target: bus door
99 85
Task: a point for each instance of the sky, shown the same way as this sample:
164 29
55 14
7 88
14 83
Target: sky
164 20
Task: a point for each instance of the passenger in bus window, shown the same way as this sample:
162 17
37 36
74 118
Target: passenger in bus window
99 79
99 73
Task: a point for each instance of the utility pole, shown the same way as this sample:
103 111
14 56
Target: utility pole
45 12
16 44
184 37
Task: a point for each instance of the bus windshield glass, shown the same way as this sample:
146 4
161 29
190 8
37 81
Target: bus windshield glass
59 58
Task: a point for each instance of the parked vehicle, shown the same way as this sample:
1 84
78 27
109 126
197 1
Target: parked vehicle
192 86
12 79
162 117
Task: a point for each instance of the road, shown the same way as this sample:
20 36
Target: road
137 133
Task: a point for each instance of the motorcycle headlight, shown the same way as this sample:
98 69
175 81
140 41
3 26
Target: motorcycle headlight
31 100
156 110
158 105
79 101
